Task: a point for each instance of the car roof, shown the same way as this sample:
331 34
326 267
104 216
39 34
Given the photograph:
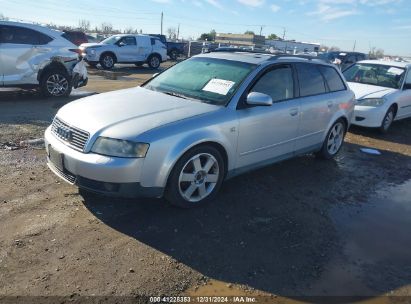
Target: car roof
259 58
397 64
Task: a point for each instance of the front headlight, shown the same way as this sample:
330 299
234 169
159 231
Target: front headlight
371 102
119 147
92 52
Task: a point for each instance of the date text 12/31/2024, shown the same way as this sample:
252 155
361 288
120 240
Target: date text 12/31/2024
204 299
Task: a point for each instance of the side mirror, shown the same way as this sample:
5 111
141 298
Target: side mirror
121 43
259 99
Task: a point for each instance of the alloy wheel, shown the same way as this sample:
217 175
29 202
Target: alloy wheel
388 120
108 61
335 138
57 85
154 62
198 177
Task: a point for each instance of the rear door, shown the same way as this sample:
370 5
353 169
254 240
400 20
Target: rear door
22 50
144 47
317 106
267 133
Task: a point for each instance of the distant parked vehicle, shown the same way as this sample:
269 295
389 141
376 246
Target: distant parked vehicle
174 49
382 90
76 37
33 56
125 48
208 118
343 59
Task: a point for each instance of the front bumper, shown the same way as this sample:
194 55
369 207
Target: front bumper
111 176
368 116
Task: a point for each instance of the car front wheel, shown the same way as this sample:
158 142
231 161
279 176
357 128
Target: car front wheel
333 141
388 119
107 61
196 177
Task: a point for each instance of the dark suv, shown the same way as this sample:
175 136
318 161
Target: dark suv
343 59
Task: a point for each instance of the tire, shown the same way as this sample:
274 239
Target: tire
107 61
173 55
333 141
196 177
55 83
154 61
388 120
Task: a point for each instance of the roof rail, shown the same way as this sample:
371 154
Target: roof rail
274 56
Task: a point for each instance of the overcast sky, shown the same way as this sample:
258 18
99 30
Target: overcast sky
383 24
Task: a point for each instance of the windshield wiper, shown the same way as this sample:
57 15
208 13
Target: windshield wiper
175 94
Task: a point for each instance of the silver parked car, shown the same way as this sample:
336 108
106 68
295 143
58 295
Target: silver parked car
205 119
34 56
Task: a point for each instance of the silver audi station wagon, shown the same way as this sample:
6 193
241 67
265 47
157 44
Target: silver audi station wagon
206 119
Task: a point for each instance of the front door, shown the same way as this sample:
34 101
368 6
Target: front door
404 98
267 133
127 49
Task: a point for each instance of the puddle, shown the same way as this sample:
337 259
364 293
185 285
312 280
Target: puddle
376 253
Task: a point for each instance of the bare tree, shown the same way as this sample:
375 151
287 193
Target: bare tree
379 53
172 33
129 30
334 49
2 17
106 28
84 25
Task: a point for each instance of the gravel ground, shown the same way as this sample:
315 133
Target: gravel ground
291 229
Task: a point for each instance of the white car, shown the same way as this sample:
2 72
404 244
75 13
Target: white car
34 56
125 48
382 90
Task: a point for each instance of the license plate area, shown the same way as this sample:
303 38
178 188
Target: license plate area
56 158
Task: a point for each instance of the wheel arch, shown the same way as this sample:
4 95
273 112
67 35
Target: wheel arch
53 65
155 54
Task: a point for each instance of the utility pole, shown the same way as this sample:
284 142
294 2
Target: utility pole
178 30
355 42
284 33
161 23
261 30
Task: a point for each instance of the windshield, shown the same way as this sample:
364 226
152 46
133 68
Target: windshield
205 79
375 74
111 40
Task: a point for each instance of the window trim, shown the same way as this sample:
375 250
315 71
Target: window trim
242 100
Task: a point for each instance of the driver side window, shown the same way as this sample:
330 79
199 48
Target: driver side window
128 41
277 83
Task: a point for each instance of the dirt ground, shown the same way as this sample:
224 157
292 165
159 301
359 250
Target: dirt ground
299 228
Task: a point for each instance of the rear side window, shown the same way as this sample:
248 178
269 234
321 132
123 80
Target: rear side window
278 83
310 79
21 35
332 78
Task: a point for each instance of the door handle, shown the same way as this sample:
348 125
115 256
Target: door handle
330 104
293 111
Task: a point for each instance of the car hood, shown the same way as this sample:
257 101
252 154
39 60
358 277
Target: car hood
125 114
362 91
88 45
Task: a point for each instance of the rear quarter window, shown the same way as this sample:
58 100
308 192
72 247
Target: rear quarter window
333 79
310 79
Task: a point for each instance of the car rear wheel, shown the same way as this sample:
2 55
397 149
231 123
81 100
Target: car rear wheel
107 61
55 83
196 177
173 55
388 120
154 61
333 141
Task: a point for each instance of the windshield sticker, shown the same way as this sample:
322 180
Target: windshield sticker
219 86
395 71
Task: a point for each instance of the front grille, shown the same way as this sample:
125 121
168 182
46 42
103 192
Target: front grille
71 136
